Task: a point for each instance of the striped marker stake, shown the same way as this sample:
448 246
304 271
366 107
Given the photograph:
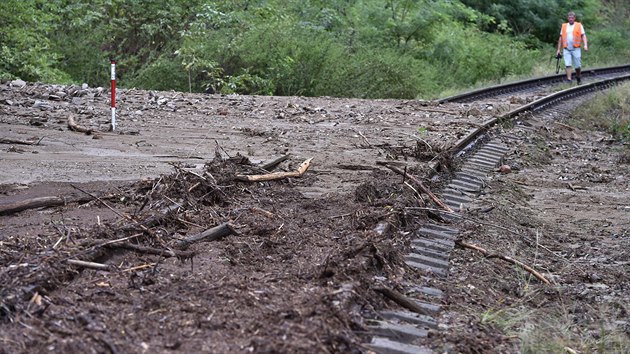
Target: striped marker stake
113 94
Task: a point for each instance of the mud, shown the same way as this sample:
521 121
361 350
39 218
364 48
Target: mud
299 271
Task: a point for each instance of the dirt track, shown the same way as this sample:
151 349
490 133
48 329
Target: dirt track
298 275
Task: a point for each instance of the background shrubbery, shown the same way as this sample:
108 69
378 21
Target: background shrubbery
355 48
609 112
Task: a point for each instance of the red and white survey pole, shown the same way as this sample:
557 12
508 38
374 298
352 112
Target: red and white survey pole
113 94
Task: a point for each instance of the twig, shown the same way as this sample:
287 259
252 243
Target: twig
194 186
58 242
364 138
437 110
426 190
576 188
119 240
505 258
104 204
271 164
415 191
487 224
84 264
192 173
417 138
341 216
143 266
466 218
19 142
217 153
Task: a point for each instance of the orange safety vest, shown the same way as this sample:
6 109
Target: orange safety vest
577 35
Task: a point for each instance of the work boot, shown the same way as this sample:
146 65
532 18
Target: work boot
579 80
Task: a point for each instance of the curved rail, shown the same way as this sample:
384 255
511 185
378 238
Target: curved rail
529 83
463 144
431 245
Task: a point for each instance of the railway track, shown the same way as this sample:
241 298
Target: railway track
481 151
536 84
263 290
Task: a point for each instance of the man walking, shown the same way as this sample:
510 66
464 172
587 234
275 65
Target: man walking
572 38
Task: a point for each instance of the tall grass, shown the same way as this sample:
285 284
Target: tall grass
609 111
558 330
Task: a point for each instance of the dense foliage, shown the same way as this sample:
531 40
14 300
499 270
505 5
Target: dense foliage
357 48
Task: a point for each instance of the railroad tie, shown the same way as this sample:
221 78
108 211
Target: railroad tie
400 331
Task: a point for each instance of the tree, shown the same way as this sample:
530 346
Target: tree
538 19
25 49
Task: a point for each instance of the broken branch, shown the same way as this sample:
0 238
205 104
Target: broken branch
271 164
39 202
505 258
426 190
402 300
92 265
212 234
78 128
19 142
276 175
437 110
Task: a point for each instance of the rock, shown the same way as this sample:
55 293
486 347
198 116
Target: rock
44 106
38 122
505 169
17 83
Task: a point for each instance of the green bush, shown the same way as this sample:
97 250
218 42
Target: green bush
469 56
164 74
246 83
291 60
309 62
607 47
370 73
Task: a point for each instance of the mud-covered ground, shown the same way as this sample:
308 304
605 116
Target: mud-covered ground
564 211
299 258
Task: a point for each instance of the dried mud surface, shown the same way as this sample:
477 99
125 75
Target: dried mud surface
299 270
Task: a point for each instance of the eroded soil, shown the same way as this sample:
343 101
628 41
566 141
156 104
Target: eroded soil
298 272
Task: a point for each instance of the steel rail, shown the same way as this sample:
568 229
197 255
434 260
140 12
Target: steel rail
464 143
400 330
516 86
